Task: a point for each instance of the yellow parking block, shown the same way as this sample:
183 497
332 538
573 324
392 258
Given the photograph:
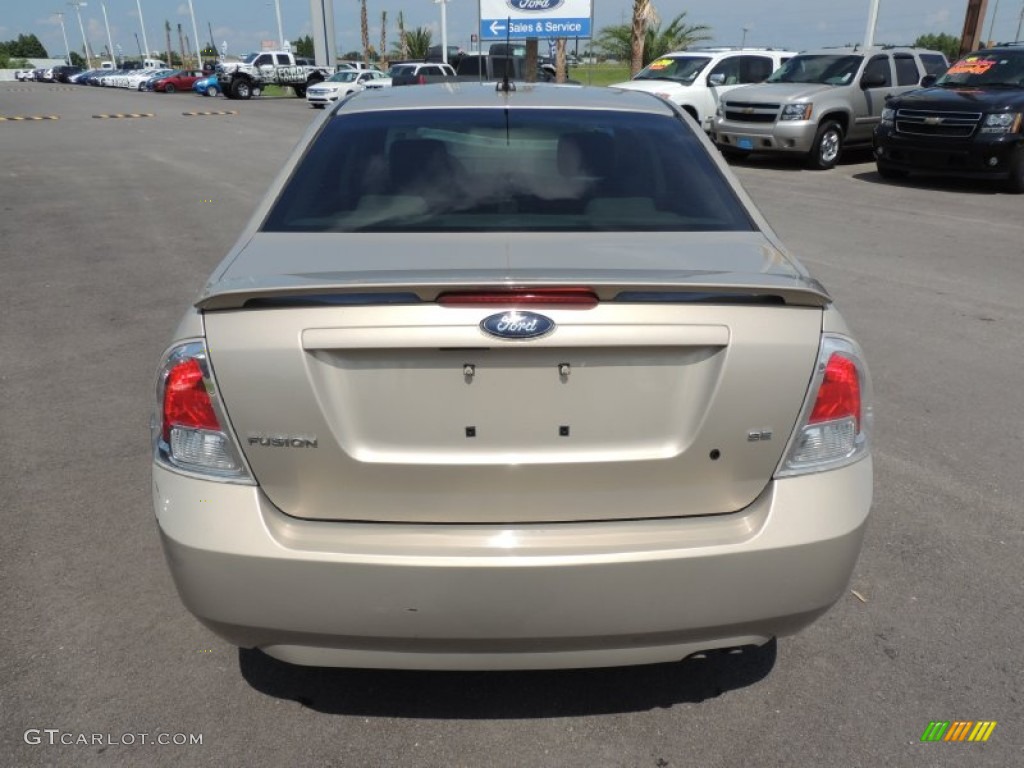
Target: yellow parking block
23 118
128 114
218 112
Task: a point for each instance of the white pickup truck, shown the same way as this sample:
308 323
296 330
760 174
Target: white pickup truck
248 77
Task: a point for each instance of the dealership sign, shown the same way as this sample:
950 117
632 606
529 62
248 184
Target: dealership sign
520 19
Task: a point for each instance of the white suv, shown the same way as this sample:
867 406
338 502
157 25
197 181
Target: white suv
696 78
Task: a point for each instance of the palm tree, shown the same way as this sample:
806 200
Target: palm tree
384 39
418 42
402 49
645 16
676 36
364 26
617 40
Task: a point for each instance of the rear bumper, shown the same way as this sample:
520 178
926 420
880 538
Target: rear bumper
510 597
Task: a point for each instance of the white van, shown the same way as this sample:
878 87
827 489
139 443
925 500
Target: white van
154 64
107 65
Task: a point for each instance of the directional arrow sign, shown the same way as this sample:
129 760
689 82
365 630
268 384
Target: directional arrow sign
544 19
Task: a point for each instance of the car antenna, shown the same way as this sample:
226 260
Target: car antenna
505 86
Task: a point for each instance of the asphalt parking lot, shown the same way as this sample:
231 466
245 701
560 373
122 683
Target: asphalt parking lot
109 226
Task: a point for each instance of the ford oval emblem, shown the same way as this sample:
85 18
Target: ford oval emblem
534 5
517 325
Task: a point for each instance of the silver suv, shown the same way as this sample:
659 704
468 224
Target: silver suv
820 102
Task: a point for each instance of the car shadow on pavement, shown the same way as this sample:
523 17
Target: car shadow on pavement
501 695
951 185
785 162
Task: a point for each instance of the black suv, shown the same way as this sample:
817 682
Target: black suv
965 123
62 73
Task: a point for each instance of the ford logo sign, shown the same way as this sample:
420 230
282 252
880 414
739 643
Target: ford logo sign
517 325
534 5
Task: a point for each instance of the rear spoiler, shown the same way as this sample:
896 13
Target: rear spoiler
368 289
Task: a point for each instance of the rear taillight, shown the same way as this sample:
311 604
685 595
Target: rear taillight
839 392
186 403
191 432
835 423
570 298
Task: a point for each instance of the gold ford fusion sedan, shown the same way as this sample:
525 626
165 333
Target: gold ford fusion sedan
509 379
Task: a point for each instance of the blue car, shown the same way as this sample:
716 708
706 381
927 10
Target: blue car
207 86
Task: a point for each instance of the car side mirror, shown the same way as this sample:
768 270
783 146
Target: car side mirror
928 81
872 81
716 79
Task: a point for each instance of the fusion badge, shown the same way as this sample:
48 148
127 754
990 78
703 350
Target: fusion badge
517 325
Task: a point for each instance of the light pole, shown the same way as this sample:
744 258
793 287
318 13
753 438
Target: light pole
195 36
110 42
743 44
139 46
869 35
280 29
1020 23
992 23
78 5
63 31
145 42
444 29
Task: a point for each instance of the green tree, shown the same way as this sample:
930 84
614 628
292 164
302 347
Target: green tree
948 44
304 47
27 47
77 59
616 41
418 42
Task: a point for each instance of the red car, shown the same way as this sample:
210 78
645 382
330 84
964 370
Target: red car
181 80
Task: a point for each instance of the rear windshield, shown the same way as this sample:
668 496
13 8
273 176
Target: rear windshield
496 170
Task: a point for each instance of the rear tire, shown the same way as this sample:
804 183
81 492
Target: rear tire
827 146
300 91
211 90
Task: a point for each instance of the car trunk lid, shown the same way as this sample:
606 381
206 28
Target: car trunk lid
356 396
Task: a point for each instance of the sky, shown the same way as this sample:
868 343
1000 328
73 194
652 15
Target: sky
243 24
